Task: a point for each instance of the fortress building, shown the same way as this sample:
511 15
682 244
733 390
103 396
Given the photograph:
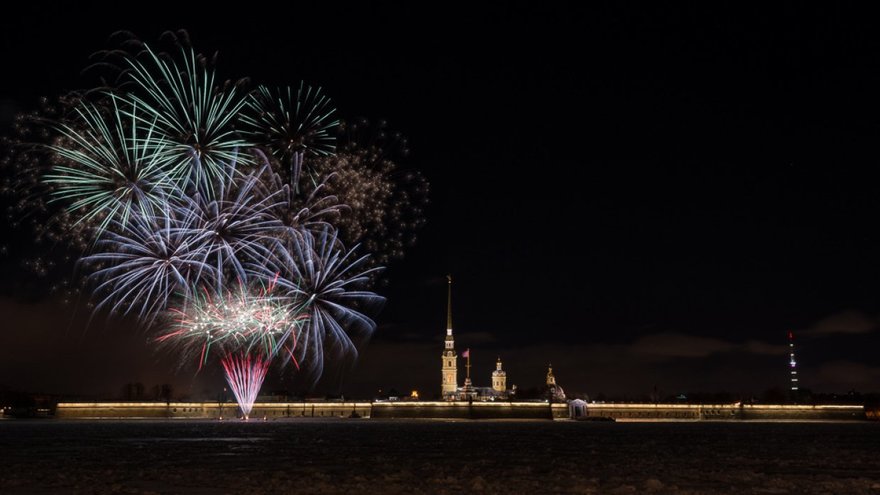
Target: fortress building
450 390
449 357
449 369
554 391
499 378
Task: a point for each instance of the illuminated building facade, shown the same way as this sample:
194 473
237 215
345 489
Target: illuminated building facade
449 369
793 365
449 357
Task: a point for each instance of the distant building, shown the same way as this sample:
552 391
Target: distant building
449 371
499 378
450 358
554 391
793 364
577 409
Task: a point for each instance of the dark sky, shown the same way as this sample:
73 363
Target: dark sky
642 196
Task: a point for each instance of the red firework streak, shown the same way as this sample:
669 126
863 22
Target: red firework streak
245 374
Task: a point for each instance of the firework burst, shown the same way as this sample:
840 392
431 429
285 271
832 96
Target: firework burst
246 327
317 269
301 209
57 239
139 268
238 225
176 190
286 122
385 204
110 167
248 320
191 112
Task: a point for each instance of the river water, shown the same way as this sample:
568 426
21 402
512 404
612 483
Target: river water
391 456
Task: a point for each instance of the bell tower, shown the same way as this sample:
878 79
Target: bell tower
551 380
449 357
499 378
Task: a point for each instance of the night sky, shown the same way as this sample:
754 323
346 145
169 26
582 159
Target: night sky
644 197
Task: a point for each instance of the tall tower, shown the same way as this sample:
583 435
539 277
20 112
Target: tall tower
449 358
793 364
499 378
551 380
553 388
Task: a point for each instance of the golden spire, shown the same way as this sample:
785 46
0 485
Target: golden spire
449 304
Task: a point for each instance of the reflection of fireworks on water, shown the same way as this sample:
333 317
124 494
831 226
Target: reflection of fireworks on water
245 374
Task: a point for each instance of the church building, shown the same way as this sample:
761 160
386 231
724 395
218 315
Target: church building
449 388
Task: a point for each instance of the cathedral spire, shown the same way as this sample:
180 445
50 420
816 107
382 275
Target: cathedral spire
449 306
450 343
450 365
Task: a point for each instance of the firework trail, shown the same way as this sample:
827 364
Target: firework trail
247 328
245 374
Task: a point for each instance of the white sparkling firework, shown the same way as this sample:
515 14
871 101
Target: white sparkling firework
191 112
286 122
330 279
110 166
178 185
144 264
232 321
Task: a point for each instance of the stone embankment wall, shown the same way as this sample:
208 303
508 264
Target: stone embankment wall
717 412
209 410
474 410
457 410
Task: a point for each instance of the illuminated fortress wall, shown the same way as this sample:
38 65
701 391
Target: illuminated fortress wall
765 412
207 410
475 410
456 410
